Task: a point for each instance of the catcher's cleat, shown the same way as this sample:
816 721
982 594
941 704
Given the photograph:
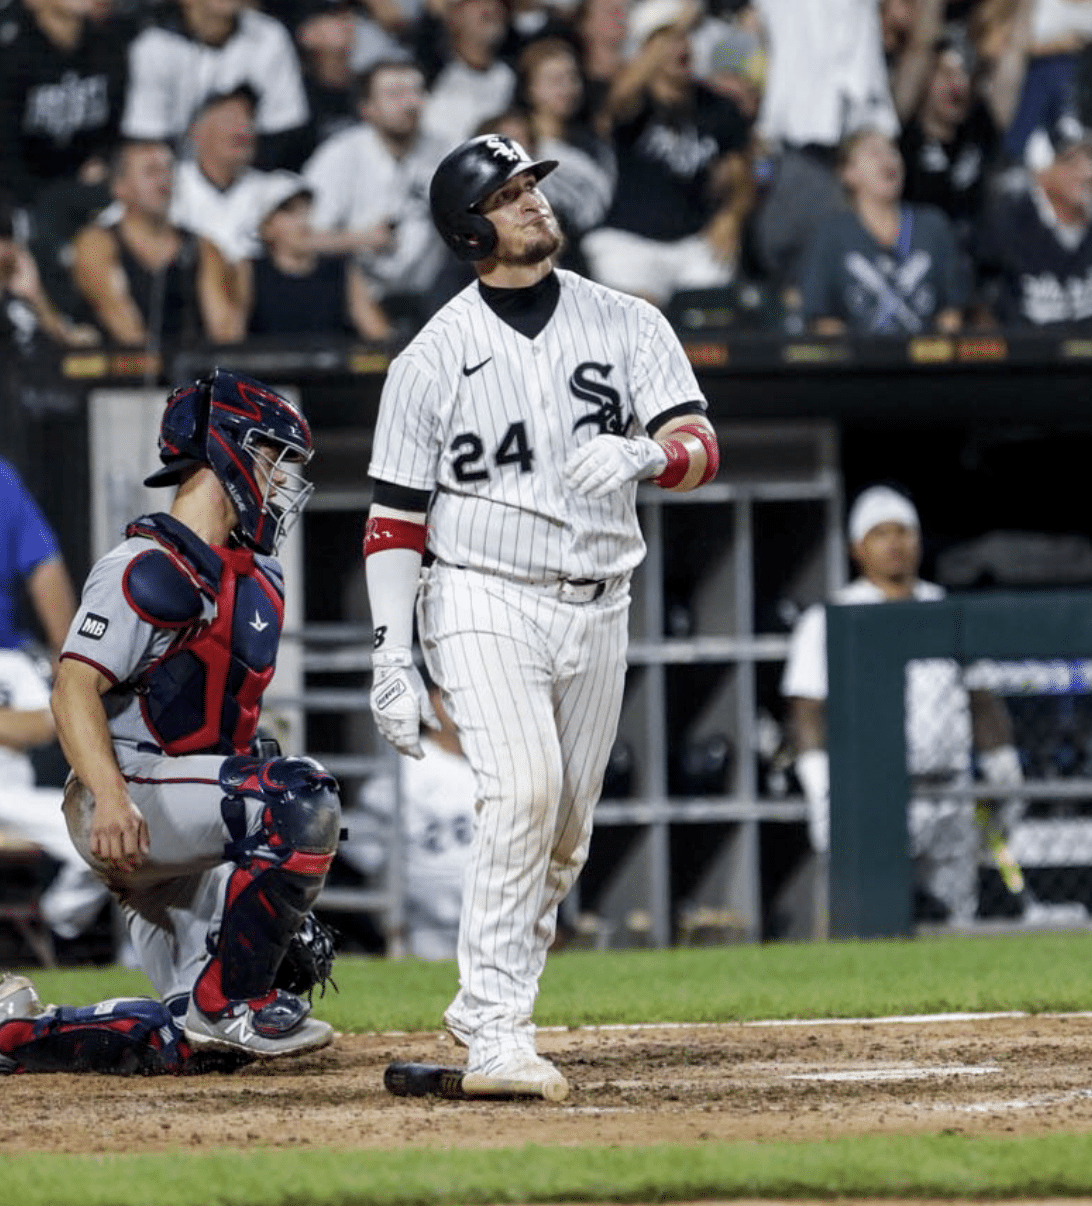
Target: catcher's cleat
516 1074
18 998
272 1026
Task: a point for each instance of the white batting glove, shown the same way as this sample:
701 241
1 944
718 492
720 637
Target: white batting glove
813 771
608 461
400 702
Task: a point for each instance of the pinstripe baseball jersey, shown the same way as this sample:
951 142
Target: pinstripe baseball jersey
485 417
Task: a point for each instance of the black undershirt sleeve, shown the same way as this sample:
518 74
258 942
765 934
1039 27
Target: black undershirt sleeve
684 408
401 498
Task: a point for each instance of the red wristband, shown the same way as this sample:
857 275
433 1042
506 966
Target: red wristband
387 533
677 467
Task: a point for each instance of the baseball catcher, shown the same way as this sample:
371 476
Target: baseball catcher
215 850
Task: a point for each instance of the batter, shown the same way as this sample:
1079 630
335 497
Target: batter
511 436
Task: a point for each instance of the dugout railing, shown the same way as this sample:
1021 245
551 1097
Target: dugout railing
869 649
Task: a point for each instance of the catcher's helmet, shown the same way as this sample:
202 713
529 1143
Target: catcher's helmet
465 177
233 424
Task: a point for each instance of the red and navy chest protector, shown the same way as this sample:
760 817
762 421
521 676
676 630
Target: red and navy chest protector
203 695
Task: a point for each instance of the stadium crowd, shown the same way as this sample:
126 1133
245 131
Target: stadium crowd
187 171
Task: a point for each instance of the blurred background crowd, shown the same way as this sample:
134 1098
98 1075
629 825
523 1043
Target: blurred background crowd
179 172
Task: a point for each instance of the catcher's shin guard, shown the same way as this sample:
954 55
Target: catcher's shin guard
281 871
122 1037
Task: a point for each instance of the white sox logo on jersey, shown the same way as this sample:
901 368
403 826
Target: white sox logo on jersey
588 383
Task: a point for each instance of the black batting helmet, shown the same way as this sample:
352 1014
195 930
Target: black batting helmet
465 177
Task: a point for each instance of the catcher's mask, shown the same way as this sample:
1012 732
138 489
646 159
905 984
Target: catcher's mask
465 177
254 440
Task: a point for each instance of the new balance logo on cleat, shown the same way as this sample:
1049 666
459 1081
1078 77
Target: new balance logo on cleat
280 1027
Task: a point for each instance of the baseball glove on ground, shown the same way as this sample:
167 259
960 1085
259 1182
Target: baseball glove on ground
309 959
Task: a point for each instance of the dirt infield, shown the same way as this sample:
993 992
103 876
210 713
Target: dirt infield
631 1086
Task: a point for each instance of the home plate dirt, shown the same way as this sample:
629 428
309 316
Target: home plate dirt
974 1075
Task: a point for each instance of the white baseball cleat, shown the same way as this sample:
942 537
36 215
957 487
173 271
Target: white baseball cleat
18 999
516 1073
279 1026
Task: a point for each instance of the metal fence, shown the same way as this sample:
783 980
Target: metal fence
922 833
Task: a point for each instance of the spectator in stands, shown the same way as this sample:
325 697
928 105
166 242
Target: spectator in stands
25 308
218 192
325 33
212 46
550 90
1061 32
684 179
825 77
371 189
437 814
601 33
30 561
881 266
951 139
467 78
1034 256
146 281
62 85
944 715
734 66
75 895
295 291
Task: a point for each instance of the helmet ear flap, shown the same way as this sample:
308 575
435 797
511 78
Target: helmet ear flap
473 237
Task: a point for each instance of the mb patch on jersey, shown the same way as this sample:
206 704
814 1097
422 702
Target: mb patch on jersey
94 627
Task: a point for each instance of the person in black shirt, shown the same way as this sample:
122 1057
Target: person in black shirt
684 182
1034 256
144 280
295 291
952 140
62 86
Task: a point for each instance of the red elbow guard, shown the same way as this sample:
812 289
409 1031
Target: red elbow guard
387 533
678 456
708 441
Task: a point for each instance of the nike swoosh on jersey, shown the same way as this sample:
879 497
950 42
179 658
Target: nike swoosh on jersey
469 372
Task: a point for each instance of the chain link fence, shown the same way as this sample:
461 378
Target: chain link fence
999 756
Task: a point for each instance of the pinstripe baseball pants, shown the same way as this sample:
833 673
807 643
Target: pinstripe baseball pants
535 685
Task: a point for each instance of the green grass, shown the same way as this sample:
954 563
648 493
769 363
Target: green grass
1038 973
1034 973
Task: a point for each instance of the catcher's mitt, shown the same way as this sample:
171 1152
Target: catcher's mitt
309 959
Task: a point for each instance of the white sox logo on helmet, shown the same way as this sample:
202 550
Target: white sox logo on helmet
500 149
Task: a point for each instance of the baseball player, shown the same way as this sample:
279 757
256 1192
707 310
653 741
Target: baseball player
944 714
511 436
215 855
436 793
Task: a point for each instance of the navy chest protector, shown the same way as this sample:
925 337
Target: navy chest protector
203 695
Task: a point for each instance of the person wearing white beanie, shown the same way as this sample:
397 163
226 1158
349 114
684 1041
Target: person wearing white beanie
945 716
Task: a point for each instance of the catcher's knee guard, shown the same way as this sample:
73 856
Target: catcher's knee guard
281 870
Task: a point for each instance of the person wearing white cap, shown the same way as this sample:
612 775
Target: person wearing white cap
944 717
295 291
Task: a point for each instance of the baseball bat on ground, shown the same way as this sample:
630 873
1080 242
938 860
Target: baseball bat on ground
405 1079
